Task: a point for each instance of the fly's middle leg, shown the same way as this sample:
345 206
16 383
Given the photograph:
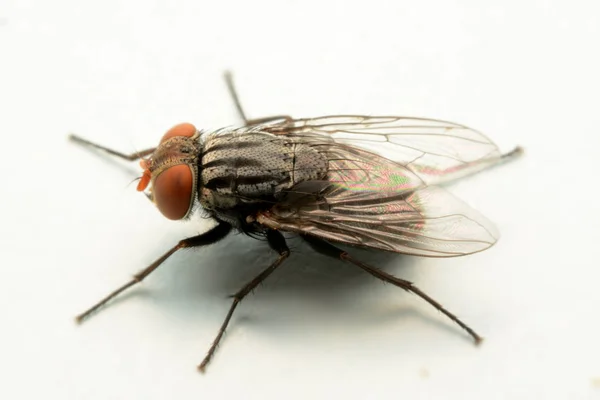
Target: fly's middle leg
276 242
238 106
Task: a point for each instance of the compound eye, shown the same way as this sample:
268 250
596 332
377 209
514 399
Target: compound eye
186 129
173 191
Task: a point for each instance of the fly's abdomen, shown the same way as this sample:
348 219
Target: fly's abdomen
254 166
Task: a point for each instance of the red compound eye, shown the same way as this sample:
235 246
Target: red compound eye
173 191
173 188
185 129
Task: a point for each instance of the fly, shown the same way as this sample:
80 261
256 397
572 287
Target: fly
365 181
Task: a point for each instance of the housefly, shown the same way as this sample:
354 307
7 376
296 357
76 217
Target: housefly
366 181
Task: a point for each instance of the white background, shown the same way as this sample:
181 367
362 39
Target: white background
121 73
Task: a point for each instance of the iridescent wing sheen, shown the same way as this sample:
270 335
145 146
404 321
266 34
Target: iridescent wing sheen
427 222
436 151
372 201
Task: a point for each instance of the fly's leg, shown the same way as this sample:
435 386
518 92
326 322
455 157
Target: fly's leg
236 100
240 110
506 157
129 157
475 167
276 242
514 153
257 121
328 249
214 235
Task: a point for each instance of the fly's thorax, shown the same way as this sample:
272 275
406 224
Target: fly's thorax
172 171
253 167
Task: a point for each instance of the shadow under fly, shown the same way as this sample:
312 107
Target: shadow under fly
364 181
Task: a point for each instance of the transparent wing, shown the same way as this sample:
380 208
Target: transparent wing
429 222
370 201
436 151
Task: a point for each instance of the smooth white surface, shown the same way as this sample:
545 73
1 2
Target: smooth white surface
121 73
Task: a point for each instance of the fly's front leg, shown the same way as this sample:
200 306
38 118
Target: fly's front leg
240 109
276 242
214 235
328 249
128 157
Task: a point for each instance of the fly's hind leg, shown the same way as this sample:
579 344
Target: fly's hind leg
238 106
514 153
276 242
474 167
328 249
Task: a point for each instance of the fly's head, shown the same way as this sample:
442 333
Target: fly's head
172 171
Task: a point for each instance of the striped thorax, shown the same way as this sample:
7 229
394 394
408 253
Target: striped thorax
240 169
